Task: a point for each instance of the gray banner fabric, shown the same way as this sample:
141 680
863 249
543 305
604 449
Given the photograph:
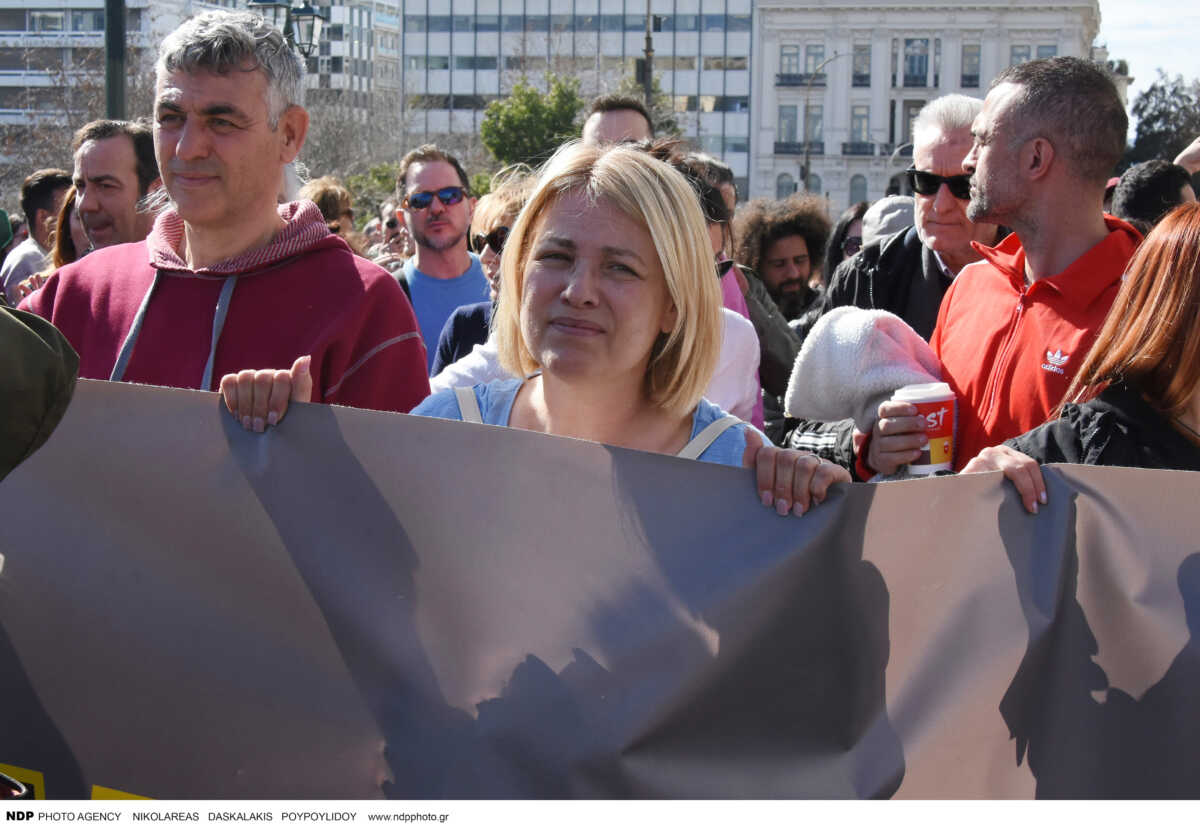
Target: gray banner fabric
364 605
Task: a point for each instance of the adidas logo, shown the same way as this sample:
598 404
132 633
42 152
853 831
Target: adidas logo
1055 361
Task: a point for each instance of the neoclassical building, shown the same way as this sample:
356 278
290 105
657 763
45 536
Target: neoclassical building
838 85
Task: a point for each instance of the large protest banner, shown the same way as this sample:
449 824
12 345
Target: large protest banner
363 604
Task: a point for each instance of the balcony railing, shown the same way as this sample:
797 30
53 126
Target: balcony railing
858 148
800 79
797 148
970 81
860 79
888 148
915 80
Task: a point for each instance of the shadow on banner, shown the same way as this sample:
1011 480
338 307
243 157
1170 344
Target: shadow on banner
425 609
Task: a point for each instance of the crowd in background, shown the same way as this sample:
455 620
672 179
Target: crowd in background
621 291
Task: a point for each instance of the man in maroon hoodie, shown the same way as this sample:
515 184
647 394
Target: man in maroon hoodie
1014 327
228 279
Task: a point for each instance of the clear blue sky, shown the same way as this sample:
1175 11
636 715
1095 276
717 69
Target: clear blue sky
1149 35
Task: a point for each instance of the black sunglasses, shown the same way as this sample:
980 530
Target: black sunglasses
392 223
928 184
447 196
722 267
496 238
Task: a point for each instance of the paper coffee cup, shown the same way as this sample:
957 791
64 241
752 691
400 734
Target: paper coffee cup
935 405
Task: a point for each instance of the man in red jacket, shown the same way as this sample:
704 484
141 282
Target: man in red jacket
229 279
1013 327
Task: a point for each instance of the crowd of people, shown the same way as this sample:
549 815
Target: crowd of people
619 292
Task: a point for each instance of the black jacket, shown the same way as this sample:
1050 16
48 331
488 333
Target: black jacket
897 273
778 344
467 326
38 368
1118 427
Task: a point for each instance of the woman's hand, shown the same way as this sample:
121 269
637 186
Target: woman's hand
792 481
1023 471
258 398
30 285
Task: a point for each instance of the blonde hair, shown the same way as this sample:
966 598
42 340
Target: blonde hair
509 189
660 199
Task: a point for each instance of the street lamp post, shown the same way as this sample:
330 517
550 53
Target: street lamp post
301 25
807 92
648 79
114 59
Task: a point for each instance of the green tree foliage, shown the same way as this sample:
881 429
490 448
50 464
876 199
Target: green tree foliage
529 125
372 189
1168 119
662 111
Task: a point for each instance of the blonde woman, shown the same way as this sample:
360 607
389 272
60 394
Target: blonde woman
610 322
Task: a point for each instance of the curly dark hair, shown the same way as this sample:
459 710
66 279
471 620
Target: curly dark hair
761 222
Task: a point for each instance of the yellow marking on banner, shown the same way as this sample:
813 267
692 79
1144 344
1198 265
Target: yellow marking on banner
104 793
33 779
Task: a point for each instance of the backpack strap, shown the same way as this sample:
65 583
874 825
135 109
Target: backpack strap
706 437
468 405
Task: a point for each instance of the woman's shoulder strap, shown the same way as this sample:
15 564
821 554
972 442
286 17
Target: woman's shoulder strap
468 405
699 444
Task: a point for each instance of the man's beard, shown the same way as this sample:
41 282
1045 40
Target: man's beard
792 304
423 240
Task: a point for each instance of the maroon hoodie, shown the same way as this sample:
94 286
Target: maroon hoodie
137 313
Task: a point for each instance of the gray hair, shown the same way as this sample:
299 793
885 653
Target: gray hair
945 115
226 41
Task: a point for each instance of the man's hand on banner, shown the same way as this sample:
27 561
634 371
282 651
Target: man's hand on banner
258 398
1023 471
791 480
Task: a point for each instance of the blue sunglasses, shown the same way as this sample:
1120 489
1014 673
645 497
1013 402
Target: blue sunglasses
423 199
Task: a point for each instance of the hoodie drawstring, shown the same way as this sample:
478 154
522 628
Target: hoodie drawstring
135 330
218 325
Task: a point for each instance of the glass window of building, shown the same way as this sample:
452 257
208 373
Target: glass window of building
612 22
47 21
860 120
916 62
814 122
12 20
861 71
712 22
858 188
737 144
439 23
487 23
1047 51
785 186
789 59
787 124
463 23
814 56
511 23
937 62
970 66
1018 54
725 62
895 58
814 183
88 21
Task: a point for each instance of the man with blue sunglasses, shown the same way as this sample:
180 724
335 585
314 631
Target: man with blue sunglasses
436 206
